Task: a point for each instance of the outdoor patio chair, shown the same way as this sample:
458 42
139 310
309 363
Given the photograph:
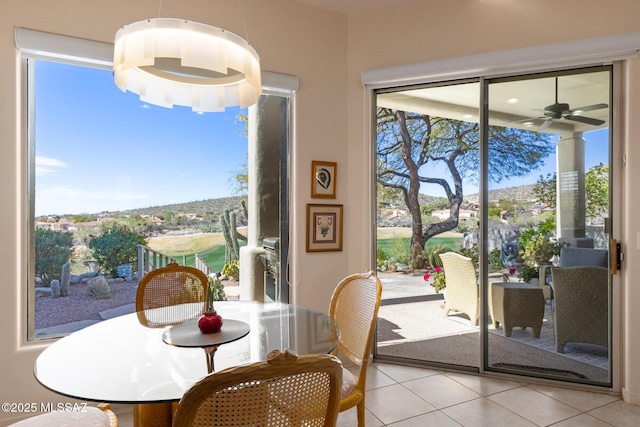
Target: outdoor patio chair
581 312
100 416
354 306
167 287
284 390
462 291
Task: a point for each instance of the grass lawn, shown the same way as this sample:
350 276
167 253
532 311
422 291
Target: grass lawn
210 246
396 241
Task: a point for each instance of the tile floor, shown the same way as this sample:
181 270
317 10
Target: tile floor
401 396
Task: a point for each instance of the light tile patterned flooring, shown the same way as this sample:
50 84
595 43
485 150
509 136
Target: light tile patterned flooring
402 396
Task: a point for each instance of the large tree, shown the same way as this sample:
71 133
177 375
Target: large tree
410 144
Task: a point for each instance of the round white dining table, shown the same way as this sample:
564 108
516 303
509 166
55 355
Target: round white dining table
122 360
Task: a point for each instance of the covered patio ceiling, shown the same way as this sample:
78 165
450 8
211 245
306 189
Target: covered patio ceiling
514 103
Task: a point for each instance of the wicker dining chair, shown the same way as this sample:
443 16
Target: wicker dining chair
354 306
100 416
167 287
284 390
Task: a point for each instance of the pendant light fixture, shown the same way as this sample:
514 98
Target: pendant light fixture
176 62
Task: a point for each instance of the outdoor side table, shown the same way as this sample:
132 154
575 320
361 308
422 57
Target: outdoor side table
517 304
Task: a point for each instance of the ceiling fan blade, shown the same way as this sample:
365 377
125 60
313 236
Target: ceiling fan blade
545 125
587 120
529 119
589 108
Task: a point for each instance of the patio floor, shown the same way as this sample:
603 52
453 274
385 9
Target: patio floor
412 324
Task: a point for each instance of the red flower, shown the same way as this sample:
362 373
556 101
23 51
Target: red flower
426 276
512 270
437 269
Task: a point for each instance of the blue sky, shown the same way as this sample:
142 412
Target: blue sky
99 149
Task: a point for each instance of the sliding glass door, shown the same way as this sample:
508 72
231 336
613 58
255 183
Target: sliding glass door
553 225
493 208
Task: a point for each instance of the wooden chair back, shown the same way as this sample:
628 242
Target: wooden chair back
354 306
284 390
167 287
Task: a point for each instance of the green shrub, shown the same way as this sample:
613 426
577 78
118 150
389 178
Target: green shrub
472 253
99 288
495 261
381 258
399 252
117 245
52 250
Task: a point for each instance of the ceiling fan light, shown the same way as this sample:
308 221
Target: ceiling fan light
176 62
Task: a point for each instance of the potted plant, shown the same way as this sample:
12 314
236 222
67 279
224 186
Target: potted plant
542 250
538 247
528 273
439 281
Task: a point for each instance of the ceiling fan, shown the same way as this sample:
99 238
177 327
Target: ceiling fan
560 110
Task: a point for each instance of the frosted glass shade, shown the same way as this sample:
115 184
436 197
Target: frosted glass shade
176 62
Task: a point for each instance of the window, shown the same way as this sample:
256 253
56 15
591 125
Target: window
104 166
110 172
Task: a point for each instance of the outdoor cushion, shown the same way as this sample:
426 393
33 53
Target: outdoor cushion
576 257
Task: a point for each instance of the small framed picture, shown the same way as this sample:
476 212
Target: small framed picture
324 228
323 179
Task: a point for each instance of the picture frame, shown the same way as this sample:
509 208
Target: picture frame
324 228
323 179
320 333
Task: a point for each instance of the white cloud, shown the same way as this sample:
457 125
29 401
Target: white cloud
46 165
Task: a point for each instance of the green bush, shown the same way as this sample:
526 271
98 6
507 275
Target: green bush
99 288
495 261
381 258
52 250
117 245
472 253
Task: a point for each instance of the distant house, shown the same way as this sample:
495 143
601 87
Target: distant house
63 224
464 215
538 209
395 213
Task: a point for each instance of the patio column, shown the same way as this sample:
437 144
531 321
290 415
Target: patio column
570 191
263 168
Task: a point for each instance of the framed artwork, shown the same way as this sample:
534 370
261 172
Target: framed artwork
323 179
324 228
320 332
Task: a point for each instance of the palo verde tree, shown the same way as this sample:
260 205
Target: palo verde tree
409 145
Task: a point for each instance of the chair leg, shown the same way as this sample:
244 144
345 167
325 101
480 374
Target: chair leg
360 409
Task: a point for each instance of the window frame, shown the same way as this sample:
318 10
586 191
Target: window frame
37 45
